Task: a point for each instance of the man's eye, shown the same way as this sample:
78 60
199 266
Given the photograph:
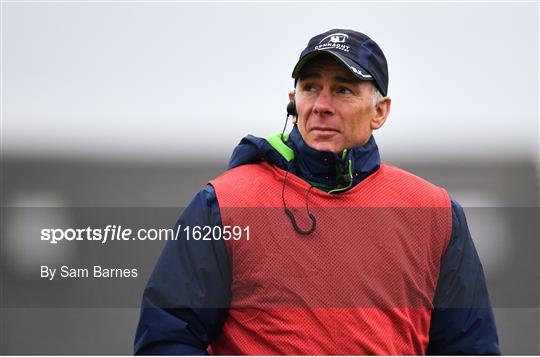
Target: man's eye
309 88
344 90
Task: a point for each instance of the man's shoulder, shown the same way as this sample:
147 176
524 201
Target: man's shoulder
248 185
399 173
406 184
245 178
243 172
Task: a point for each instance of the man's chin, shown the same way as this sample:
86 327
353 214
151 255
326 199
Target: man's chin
325 146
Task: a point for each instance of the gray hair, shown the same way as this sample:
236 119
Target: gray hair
376 96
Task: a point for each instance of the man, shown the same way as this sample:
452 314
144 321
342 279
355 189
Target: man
340 254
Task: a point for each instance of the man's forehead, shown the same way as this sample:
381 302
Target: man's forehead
324 64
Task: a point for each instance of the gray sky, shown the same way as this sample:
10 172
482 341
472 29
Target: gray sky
176 81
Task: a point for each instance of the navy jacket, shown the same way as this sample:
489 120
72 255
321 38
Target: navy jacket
186 298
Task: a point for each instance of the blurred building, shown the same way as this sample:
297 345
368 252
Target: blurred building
501 201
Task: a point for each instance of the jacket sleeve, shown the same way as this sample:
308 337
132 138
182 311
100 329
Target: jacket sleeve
462 322
186 298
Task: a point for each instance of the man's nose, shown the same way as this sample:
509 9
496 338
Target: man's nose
323 105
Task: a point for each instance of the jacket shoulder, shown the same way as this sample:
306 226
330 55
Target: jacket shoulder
407 184
245 185
245 174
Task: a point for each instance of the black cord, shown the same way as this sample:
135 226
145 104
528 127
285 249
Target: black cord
285 127
283 186
307 202
291 215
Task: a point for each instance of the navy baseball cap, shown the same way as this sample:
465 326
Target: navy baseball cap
359 53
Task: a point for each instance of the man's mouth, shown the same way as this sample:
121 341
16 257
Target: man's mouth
323 130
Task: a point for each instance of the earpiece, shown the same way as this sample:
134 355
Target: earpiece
291 111
291 108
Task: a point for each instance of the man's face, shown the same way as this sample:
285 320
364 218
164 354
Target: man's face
334 108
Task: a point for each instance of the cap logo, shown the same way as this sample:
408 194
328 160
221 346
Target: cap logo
335 40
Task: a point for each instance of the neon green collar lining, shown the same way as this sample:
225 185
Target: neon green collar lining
280 146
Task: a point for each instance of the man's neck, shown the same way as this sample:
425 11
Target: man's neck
329 171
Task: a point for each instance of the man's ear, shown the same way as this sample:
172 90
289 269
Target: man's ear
382 109
291 96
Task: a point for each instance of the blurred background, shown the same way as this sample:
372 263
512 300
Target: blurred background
138 104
